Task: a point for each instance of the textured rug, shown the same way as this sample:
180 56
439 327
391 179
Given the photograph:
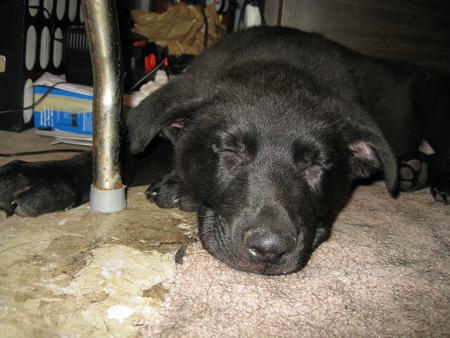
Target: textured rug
384 272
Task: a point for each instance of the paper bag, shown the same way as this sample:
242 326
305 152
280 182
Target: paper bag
181 28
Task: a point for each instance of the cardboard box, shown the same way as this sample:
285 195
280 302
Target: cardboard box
63 110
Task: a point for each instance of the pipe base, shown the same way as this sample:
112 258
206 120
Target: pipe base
107 201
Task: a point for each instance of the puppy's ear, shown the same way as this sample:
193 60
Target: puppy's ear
372 154
160 113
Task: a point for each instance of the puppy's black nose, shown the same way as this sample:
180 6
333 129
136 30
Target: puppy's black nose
267 245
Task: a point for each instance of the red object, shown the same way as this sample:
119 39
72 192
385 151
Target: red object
150 62
139 43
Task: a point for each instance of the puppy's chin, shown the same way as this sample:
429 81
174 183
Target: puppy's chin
262 269
240 262
232 251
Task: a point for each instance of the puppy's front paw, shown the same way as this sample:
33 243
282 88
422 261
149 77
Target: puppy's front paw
164 193
31 189
168 192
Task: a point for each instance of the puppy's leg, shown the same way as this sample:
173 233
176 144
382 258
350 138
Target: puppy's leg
434 104
439 178
418 170
440 188
30 189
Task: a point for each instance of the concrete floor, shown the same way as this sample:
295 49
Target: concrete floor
80 273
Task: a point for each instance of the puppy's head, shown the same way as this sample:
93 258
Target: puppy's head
269 173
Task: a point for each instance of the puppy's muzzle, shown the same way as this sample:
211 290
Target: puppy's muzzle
268 246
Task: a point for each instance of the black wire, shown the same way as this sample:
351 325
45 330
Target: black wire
39 152
42 8
242 14
18 3
205 20
36 103
260 4
158 66
243 9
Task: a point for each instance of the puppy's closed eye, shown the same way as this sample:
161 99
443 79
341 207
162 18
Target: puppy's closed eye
235 150
232 157
306 160
310 160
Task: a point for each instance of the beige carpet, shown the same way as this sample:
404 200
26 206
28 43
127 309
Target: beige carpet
383 273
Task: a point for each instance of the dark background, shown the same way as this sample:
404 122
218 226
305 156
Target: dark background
416 31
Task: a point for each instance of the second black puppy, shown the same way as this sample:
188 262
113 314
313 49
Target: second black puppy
270 128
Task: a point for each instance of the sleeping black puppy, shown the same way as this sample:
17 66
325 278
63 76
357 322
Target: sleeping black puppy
270 128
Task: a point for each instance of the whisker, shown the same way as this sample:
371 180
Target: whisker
197 251
205 232
202 207
197 206
207 216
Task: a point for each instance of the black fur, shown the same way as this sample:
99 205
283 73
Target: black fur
270 128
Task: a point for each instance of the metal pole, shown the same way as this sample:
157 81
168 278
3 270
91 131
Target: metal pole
107 190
